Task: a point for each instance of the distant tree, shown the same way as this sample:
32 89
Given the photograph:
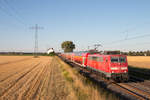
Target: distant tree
130 53
141 53
52 54
148 53
68 46
137 53
124 53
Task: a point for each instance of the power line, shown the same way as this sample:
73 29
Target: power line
3 9
126 32
131 38
12 8
135 27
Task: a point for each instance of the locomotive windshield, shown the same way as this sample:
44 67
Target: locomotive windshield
118 59
122 59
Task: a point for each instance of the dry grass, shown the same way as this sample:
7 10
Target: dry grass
83 89
139 61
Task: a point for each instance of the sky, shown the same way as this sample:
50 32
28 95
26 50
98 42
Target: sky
115 24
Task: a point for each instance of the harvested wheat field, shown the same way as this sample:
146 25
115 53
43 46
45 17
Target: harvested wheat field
139 61
11 59
28 78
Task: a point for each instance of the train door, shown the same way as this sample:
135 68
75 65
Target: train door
89 61
101 63
106 65
83 61
95 62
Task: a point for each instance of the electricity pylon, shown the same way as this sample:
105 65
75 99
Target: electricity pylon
36 28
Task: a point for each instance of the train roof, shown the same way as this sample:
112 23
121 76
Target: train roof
106 55
96 53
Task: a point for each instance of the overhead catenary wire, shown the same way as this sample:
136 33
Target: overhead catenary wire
122 43
12 8
135 27
127 35
128 38
13 13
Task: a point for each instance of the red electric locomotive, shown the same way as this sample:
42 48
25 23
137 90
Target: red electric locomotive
111 66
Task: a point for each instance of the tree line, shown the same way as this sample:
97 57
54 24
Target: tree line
137 53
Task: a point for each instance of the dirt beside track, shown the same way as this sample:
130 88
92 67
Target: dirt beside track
29 78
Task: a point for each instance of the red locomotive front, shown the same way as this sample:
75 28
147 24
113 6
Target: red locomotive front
111 66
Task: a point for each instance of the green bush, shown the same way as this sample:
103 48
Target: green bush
52 54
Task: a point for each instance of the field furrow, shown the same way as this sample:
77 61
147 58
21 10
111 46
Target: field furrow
35 86
14 92
12 69
17 79
32 79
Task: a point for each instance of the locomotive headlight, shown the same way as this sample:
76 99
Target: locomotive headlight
112 71
124 68
125 71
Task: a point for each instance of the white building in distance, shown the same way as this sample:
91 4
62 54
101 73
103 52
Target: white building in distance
50 50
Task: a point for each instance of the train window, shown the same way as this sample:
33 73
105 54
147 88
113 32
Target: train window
94 58
101 59
97 59
118 59
89 58
122 59
114 59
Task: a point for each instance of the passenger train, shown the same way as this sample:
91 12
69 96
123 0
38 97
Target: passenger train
110 66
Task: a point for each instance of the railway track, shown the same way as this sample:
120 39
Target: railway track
139 93
138 96
139 85
128 90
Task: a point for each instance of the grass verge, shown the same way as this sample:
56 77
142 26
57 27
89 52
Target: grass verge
83 88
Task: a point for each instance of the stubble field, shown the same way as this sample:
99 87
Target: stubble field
139 61
28 78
